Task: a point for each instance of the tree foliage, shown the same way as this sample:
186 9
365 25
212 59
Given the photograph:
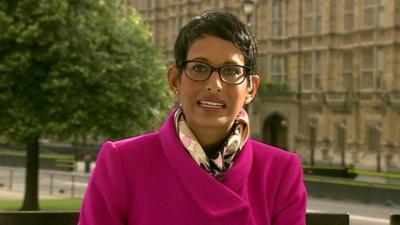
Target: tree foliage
77 67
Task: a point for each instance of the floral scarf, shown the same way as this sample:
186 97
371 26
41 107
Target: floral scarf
224 158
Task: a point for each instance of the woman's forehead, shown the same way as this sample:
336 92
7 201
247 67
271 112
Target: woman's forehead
215 50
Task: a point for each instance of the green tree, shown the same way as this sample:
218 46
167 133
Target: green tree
75 67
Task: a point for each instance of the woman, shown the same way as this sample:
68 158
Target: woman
201 167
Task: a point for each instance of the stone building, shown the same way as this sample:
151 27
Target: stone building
330 74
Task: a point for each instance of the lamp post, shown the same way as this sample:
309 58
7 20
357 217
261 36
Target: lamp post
377 146
342 143
312 124
248 8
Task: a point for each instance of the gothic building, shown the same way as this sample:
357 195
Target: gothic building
330 74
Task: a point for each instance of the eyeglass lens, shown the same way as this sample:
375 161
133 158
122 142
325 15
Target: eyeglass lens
231 74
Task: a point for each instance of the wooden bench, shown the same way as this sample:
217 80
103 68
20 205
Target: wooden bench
327 218
39 218
71 218
395 219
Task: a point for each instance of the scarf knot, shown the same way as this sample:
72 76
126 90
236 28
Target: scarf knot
221 160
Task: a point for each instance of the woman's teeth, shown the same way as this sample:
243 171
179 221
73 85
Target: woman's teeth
208 104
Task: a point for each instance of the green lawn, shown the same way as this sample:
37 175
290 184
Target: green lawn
48 155
390 175
45 204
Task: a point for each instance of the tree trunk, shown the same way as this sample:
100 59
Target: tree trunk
31 200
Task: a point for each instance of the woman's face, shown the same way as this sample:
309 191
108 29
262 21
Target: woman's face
212 103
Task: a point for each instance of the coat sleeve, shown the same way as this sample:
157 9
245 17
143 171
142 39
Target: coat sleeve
292 196
105 198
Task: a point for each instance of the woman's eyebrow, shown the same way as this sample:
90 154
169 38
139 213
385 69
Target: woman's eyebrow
228 62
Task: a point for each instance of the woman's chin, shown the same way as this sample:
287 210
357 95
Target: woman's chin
213 122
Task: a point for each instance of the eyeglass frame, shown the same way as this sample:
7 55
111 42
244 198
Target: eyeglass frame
183 66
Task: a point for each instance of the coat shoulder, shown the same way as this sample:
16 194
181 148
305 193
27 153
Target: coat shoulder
138 144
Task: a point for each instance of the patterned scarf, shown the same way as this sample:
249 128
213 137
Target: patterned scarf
223 159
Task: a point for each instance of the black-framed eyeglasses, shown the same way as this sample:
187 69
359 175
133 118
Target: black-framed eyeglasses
201 71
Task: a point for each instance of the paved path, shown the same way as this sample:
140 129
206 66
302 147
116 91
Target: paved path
8 195
360 213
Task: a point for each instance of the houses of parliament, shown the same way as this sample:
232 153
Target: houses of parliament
330 72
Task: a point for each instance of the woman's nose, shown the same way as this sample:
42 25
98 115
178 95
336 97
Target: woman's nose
214 82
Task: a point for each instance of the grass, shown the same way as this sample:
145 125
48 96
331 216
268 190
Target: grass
45 204
377 174
42 155
344 181
332 167
370 173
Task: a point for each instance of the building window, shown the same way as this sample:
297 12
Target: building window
349 15
381 13
317 71
313 16
318 16
309 16
307 72
373 68
347 70
311 71
398 12
278 69
367 79
374 13
380 69
277 18
332 16
369 13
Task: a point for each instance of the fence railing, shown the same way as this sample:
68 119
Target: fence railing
52 183
71 218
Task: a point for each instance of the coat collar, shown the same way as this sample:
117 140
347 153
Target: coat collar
215 198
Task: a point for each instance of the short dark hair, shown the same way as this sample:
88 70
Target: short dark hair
220 24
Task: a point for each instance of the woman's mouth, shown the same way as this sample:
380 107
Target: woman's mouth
211 104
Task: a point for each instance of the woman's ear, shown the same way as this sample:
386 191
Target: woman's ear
252 88
173 78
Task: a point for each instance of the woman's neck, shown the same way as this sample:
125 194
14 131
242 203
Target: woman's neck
211 138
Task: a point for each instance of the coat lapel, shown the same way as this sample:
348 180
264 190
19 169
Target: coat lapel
215 198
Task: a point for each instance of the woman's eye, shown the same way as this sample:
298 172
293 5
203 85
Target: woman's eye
231 71
199 68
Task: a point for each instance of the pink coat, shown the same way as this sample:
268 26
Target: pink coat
152 180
